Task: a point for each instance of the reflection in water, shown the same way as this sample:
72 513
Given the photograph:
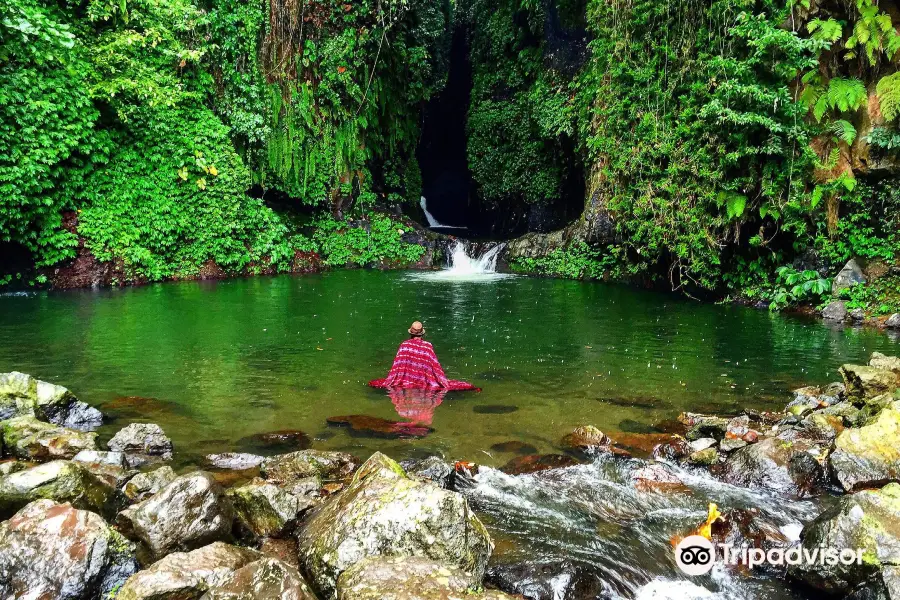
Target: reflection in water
417 406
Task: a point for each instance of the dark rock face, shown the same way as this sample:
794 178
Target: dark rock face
187 575
778 465
409 578
59 480
541 580
50 550
884 585
382 512
867 520
366 426
870 455
31 439
82 417
533 463
264 579
291 468
190 512
142 439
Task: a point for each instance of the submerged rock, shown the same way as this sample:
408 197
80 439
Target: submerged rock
285 440
522 465
188 513
658 478
55 551
870 455
264 579
265 510
140 440
384 512
867 382
287 469
585 439
187 575
866 520
144 485
410 578
378 427
61 481
787 467
23 395
31 439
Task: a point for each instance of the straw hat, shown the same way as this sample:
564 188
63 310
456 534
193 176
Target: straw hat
417 329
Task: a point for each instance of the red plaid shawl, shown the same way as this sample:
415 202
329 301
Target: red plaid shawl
416 366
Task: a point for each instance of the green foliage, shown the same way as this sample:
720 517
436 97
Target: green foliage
795 287
577 261
879 297
378 241
46 128
888 90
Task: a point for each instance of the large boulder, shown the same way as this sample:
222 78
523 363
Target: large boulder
187 575
27 437
190 512
410 578
50 550
851 275
265 510
785 466
265 579
867 520
868 382
836 311
143 485
23 395
870 455
884 585
882 361
384 512
893 322
142 443
287 469
61 481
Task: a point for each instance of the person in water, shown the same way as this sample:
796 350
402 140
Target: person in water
416 366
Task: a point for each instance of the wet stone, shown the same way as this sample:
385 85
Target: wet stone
285 440
366 426
533 463
237 461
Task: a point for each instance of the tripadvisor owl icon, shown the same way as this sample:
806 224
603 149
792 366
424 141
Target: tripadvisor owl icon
695 555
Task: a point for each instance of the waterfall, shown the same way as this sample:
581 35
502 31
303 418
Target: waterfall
432 222
462 264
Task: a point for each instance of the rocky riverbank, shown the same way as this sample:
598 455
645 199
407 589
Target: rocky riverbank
85 522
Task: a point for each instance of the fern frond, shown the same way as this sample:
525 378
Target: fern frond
828 31
843 130
888 90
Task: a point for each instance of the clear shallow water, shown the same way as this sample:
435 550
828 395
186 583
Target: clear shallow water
215 362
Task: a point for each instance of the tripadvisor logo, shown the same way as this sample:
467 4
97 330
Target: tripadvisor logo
695 555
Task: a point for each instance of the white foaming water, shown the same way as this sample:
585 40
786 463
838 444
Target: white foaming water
462 267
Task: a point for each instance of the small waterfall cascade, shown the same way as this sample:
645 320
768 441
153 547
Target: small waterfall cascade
461 263
432 222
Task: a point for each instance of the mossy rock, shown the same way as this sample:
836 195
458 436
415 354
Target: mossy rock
61 481
382 512
869 455
28 438
264 510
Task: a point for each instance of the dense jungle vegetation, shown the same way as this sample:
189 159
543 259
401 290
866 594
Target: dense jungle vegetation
737 148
